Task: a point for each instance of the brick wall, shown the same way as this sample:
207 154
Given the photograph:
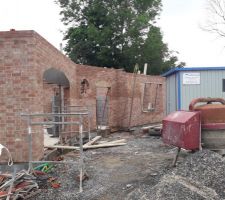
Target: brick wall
25 56
17 88
120 95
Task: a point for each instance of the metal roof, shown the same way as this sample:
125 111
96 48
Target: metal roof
175 70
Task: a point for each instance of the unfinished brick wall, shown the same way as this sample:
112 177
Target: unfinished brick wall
25 56
17 88
120 95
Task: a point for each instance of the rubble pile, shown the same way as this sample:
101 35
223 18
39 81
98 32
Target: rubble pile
25 184
19 186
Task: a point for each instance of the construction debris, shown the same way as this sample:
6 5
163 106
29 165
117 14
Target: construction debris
90 145
152 130
18 185
24 184
107 144
53 182
95 139
46 167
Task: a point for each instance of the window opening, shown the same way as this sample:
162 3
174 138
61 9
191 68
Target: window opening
151 96
84 86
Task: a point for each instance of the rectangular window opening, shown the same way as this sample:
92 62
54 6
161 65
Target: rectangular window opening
151 96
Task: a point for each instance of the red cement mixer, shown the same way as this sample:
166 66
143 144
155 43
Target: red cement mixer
202 126
212 121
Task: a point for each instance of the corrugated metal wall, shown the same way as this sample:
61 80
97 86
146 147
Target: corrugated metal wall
171 94
210 86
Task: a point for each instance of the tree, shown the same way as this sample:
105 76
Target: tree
216 17
157 54
115 33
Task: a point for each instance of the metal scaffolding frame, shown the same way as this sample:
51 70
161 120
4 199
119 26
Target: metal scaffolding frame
79 123
75 109
68 109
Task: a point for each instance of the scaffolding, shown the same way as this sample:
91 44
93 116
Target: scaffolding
71 109
32 122
75 109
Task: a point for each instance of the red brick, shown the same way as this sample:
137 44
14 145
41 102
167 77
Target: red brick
22 89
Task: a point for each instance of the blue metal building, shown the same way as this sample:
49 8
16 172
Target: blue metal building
185 84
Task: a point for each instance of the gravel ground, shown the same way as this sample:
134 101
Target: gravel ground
140 170
200 176
113 172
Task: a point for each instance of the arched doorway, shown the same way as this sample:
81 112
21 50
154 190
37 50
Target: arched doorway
56 96
55 76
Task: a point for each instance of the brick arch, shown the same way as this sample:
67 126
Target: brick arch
55 82
55 76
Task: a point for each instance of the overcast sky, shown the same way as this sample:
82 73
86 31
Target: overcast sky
180 22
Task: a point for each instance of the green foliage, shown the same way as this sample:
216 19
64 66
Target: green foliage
115 33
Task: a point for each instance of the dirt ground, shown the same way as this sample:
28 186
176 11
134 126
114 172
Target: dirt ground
115 172
140 170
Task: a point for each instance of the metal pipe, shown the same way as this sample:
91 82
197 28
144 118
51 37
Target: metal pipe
200 135
89 127
53 114
30 143
54 162
132 97
11 185
50 123
176 157
76 106
62 106
65 132
81 153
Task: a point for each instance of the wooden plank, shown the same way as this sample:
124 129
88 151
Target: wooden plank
92 141
117 141
102 142
112 142
147 127
151 126
104 145
61 147
86 147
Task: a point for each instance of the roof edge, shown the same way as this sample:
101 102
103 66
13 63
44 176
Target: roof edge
177 69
